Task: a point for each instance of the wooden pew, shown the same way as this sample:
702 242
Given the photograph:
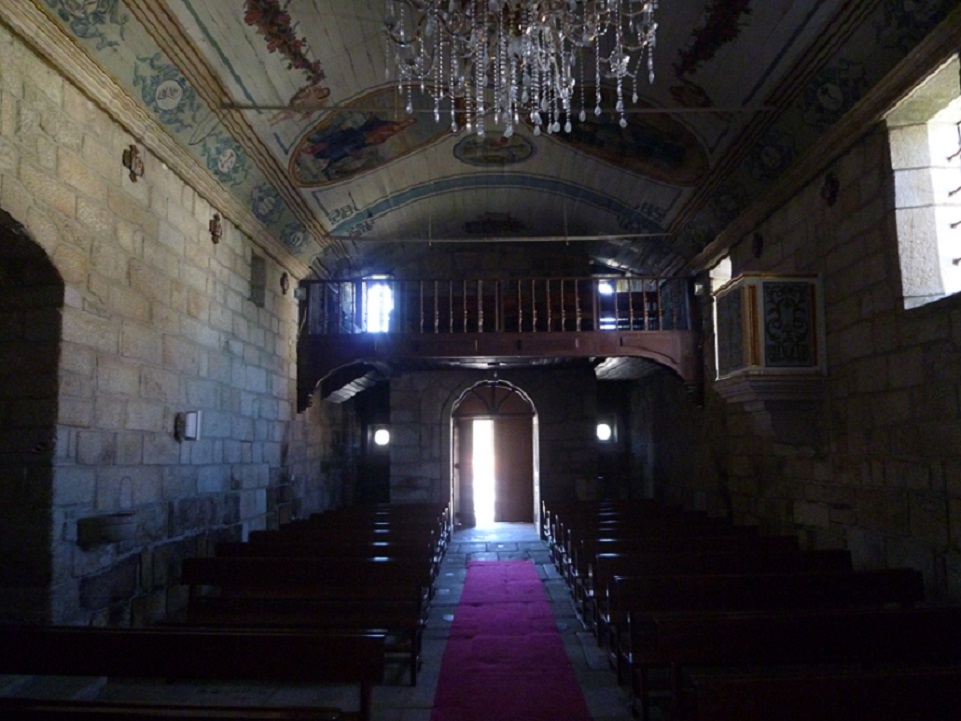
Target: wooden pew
29 709
551 511
323 534
300 532
419 513
644 595
433 516
559 517
883 695
358 567
359 527
647 525
388 610
279 547
354 594
290 548
671 646
568 528
194 656
587 549
745 561
313 577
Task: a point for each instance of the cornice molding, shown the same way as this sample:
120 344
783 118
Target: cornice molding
938 47
44 37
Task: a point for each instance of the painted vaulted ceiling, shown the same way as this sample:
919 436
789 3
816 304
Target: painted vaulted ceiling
284 104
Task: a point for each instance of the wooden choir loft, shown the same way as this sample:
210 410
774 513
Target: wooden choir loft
380 321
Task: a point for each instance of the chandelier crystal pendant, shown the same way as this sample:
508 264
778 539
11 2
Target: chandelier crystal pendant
519 60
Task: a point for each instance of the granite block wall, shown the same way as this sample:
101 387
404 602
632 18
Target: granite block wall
151 319
878 471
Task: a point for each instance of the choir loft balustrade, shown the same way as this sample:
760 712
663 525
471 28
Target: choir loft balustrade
383 321
524 305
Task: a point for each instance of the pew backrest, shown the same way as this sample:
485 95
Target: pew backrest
609 565
891 695
20 708
197 655
905 636
305 573
901 586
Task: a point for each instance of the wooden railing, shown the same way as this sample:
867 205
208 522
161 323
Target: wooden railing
520 305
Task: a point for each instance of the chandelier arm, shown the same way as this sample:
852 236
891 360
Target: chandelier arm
527 53
455 22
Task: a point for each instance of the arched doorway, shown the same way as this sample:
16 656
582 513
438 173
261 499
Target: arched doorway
31 305
494 428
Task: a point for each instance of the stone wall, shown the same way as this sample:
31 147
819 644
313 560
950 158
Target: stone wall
156 320
668 448
420 417
879 472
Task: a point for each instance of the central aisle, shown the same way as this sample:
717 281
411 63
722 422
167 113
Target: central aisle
505 658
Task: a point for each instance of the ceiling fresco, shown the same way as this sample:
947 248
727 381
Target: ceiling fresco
285 103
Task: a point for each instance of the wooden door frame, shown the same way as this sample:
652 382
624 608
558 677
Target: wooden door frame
457 474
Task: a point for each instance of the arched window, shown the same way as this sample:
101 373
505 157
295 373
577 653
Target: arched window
378 304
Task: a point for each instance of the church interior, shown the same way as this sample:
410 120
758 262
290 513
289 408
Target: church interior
270 261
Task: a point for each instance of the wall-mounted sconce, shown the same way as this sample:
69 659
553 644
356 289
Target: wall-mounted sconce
187 426
380 436
133 162
284 283
216 228
605 430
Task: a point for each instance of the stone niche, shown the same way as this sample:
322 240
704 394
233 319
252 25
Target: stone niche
108 528
769 331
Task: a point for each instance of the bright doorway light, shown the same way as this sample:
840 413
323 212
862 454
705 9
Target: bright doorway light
381 437
482 460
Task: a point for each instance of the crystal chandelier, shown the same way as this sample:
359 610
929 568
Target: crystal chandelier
519 60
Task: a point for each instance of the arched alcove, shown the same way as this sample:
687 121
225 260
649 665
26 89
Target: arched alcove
31 299
511 420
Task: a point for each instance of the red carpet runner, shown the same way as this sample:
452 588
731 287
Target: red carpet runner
505 659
